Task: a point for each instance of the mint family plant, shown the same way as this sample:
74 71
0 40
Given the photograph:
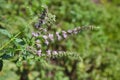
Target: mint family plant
44 38
40 42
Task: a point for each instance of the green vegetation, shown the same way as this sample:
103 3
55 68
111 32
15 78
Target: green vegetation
98 48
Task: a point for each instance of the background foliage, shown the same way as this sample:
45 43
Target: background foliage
98 48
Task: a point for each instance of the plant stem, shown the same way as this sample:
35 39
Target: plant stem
9 41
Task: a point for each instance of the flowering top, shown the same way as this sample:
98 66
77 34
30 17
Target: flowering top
48 37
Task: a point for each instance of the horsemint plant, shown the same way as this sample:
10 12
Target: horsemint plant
38 46
44 38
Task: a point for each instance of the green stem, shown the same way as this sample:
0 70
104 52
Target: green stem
9 41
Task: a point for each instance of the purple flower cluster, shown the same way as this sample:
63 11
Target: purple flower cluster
35 34
58 36
41 19
49 52
49 38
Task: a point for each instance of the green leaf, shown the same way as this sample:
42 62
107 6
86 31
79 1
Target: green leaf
5 32
19 63
18 40
6 56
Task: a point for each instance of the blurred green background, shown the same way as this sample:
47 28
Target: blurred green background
100 49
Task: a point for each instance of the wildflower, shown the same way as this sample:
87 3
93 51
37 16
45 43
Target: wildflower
69 31
75 31
58 36
37 41
55 53
64 34
38 45
46 42
35 34
48 52
45 30
45 37
39 52
51 37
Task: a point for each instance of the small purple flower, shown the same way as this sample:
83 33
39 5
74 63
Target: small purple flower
58 36
51 37
45 37
64 34
35 34
37 41
45 30
57 33
48 52
38 45
55 52
75 31
69 31
46 42
39 52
